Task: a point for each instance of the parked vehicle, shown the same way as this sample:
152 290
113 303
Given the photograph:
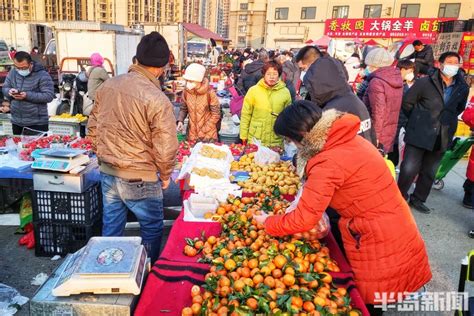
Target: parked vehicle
3 50
71 95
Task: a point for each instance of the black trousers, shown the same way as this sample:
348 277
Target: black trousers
29 130
421 162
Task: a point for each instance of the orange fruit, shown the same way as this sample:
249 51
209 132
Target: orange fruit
224 291
269 281
257 279
195 290
253 263
342 291
252 303
223 252
272 294
297 301
289 280
245 272
280 261
246 200
277 273
196 308
239 285
187 311
212 240
230 264
309 306
290 270
224 281
228 207
326 277
266 271
197 299
354 313
222 311
319 301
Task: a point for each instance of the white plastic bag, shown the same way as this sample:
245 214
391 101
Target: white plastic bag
319 231
265 155
10 299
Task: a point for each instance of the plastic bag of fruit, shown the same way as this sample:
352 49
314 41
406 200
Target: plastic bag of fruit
319 231
265 155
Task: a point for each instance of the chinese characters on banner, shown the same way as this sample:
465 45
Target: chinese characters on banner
447 42
383 28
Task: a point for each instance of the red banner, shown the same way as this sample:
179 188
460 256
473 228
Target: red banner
383 28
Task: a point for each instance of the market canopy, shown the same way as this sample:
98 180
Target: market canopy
372 42
202 32
323 41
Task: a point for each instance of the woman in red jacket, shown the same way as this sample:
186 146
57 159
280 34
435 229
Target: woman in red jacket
347 173
468 118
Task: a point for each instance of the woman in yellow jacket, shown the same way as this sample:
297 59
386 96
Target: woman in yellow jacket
262 104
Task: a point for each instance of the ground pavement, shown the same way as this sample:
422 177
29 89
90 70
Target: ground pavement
444 230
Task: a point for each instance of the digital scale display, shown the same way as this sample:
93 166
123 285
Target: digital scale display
50 164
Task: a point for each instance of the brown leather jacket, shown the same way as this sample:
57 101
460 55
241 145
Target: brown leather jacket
132 127
203 108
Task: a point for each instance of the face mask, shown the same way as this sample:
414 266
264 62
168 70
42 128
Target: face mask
450 70
303 73
190 85
23 72
409 76
366 72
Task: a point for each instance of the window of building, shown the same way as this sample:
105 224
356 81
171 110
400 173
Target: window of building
243 29
372 10
281 14
243 17
308 13
449 10
244 6
409 10
241 39
340 12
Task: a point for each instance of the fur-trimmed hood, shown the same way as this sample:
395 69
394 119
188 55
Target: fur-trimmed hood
334 128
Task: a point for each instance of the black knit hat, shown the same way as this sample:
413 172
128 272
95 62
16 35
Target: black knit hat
153 51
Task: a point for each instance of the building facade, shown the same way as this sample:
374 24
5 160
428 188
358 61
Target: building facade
291 23
247 23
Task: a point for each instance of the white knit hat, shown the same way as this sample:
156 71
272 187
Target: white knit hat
379 57
195 72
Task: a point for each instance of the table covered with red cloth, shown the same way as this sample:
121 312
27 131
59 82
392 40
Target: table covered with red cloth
167 289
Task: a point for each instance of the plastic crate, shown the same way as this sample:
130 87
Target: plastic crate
59 128
69 208
60 239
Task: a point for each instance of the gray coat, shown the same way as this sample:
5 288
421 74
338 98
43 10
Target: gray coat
39 88
291 72
96 77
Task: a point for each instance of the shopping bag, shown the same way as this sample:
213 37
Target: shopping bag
319 231
264 155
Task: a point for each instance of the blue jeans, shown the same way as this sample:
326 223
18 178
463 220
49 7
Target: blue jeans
144 199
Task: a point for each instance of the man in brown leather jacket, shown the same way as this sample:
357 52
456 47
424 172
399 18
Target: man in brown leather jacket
133 130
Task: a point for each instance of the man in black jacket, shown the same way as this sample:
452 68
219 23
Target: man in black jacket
432 106
424 59
252 72
327 86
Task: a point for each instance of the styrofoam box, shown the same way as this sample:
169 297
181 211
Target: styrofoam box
201 205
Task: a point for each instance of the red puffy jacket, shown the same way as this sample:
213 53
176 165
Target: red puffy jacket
347 173
468 118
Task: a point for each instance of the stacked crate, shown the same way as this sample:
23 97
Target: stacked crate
64 222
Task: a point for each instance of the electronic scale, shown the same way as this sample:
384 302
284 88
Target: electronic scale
60 159
106 265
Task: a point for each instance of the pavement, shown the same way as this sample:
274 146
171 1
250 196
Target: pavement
444 231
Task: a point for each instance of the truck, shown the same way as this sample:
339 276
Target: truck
78 40
175 35
23 36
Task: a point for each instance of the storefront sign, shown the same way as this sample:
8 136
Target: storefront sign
447 42
383 28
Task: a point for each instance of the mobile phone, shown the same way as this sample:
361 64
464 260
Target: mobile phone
17 93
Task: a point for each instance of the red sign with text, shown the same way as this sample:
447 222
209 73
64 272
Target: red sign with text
383 28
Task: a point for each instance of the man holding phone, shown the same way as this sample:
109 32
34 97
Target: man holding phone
29 88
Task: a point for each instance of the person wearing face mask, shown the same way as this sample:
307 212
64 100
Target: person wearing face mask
200 105
262 104
432 106
344 171
383 97
133 132
29 88
407 69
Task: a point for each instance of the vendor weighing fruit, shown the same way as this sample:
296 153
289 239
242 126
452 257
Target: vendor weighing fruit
346 172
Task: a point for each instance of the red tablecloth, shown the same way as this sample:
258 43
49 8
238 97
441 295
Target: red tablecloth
168 286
